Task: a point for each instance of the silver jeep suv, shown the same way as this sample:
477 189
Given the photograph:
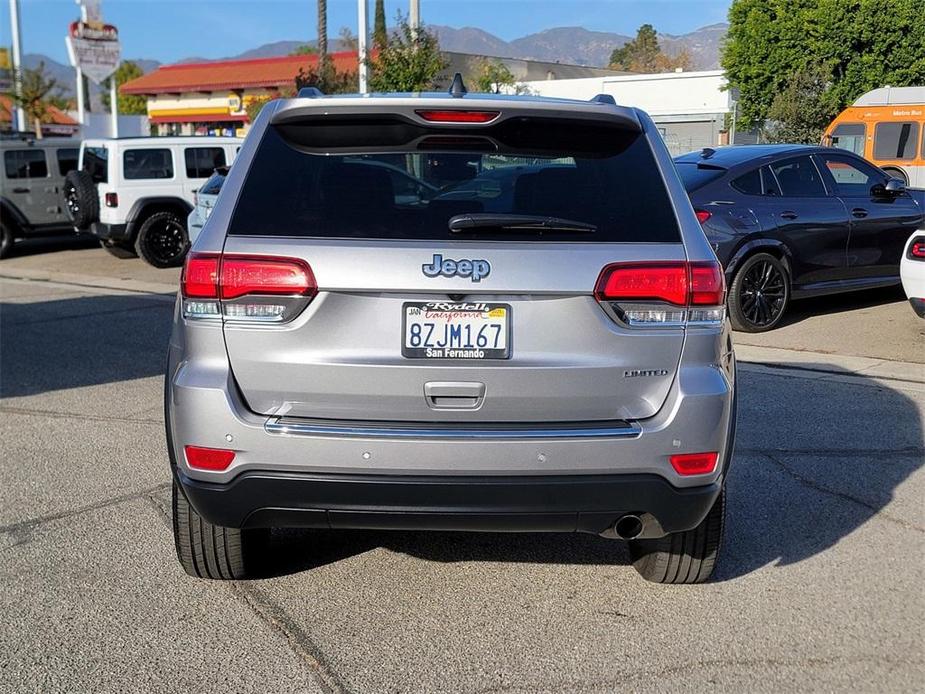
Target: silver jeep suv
451 312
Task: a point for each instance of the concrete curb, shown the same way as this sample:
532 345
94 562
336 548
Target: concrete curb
91 281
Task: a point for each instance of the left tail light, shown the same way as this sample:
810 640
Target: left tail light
246 288
917 249
664 294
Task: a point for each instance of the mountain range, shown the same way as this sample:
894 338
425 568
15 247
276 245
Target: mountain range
574 45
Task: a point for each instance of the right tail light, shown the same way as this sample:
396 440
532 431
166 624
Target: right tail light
246 288
664 293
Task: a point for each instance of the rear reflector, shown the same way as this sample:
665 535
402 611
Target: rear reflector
703 215
208 458
694 463
458 116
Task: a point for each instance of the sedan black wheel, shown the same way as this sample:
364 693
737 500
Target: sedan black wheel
759 294
162 240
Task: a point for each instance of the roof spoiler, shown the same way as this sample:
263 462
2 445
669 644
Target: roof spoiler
310 93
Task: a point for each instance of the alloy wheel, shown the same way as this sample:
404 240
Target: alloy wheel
764 293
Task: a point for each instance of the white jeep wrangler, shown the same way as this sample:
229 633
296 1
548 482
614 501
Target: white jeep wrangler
135 193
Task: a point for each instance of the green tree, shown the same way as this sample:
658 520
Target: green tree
380 31
411 62
328 81
643 54
32 94
800 112
304 49
864 44
129 104
490 76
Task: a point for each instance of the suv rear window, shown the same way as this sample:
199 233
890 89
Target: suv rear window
147 164
399 180
695 176
202 161
96 163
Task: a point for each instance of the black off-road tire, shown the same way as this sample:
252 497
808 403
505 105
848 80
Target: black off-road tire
162 240
211 551
745 316
119 249
6 240
687 557
81 199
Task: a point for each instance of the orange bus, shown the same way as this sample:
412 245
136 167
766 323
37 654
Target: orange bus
886 126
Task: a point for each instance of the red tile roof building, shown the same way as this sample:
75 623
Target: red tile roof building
211 98
59 123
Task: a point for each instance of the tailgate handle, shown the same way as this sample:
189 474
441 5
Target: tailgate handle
454 395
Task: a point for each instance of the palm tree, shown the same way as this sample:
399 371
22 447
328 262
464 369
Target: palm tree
380 32
32 94
322 36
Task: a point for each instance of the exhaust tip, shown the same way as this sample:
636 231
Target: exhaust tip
628 527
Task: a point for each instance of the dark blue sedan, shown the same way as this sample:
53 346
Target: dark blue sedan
793 221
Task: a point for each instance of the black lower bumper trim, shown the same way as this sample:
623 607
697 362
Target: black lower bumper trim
918 305
110 232
564 503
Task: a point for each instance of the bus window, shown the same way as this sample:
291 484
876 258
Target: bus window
849 136
895 141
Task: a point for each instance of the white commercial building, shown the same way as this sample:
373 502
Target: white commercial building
691 109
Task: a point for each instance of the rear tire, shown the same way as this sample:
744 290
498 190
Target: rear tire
81 199
6 240
162 240
119 249
212 551
759 294
680 558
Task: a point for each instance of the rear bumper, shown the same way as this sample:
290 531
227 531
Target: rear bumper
918 305
549 503
110 232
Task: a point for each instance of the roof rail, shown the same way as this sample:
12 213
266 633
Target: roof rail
458 88
310 93
603 99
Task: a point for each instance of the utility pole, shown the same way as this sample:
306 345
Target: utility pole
414 15
362 40
114 105
19 119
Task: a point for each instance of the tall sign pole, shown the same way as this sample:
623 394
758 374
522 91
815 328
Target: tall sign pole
20 115
414 16
362 40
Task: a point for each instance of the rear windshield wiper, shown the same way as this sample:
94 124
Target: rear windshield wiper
517 222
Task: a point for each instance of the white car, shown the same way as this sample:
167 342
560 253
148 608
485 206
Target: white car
136 193
912 271
203 202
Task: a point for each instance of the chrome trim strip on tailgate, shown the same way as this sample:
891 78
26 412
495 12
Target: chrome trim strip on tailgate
282 426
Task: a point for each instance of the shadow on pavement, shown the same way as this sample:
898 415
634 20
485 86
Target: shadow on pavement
52 244
803 309
809 470
83 341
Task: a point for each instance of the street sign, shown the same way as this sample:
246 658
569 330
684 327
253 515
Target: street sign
94 48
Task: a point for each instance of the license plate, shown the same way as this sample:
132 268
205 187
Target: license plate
448 330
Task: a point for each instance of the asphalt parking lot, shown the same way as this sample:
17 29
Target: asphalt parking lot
819 586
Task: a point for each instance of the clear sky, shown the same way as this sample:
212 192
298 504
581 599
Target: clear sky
169 30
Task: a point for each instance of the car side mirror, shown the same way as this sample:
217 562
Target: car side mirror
890 189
